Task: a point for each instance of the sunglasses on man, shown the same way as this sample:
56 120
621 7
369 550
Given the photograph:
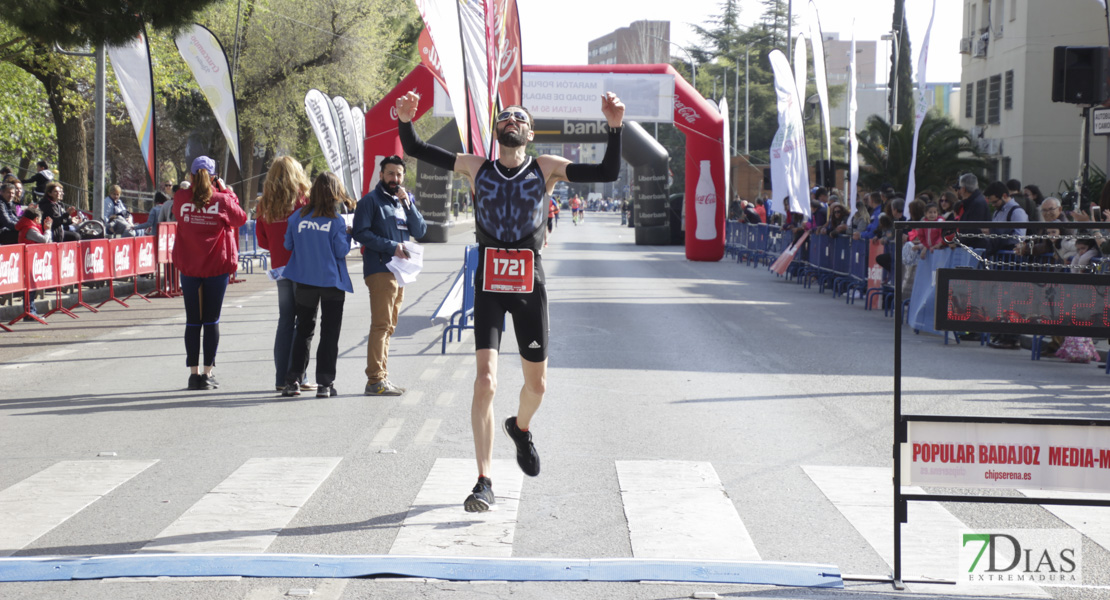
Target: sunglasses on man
517 115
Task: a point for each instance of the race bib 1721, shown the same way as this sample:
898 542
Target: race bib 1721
510 271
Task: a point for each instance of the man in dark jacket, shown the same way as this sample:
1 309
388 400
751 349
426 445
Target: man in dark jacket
384 220
8 219
40 179
975 209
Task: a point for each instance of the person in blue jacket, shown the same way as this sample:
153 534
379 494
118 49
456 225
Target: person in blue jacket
318 239
384 220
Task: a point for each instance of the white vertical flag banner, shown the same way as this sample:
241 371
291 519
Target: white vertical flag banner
208 62
320 108
358 124
922 103
349 143
800 68
441 19
819 78
853 141
788 150
472 22
131 64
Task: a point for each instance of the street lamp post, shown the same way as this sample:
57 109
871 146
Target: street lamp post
693 65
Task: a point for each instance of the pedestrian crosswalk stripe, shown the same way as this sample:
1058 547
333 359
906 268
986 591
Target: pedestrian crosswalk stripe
1091 521
437 525
430 374
48 498
427 431
679 509
445 398
930 538
386 434
246 511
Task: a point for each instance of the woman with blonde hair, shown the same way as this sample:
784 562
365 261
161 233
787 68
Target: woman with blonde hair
285 190
205 253
318 242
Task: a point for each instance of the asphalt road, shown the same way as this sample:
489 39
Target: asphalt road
770 396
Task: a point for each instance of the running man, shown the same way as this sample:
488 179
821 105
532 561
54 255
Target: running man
510 210
575 208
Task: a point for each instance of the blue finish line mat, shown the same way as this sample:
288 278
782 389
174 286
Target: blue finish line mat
432 567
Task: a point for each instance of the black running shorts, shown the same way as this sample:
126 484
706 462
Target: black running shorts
530 321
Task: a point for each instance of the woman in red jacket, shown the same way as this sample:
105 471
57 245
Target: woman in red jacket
284 192
206 255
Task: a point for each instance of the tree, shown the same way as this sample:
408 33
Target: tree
29 131
30 31
357 49
944 152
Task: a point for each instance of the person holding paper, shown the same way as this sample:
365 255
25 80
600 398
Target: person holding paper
317 240
384 220
510 210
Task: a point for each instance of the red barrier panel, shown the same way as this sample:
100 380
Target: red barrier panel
68 263
144 255
123 264
11 269
68 274
168 286
42 260
167 235
95 263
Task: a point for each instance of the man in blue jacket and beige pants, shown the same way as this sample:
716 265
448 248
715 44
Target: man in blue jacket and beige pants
384 220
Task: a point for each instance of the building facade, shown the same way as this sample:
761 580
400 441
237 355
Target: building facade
641 43
1007 70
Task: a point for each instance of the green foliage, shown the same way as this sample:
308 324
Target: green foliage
944 152
28 127
87 22
901 71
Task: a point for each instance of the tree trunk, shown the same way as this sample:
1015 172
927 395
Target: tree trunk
72 167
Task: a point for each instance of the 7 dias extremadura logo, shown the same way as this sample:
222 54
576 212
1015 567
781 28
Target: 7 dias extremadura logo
1030 556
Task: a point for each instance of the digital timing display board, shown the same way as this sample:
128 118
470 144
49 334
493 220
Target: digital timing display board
1023 302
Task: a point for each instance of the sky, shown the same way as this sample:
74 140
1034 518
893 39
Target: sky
557 33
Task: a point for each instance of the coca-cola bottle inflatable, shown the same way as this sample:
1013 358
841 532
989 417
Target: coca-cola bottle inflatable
705 204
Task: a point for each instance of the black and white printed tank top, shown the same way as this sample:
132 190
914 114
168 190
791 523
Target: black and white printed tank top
511 210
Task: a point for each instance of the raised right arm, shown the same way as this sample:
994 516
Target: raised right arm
467 164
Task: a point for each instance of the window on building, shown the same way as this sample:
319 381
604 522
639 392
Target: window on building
994 100
969 100
1004 169
992 169
981 102
1009 103
1013 9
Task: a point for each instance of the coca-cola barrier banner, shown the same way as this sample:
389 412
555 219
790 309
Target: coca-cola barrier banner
167 235
122 252
69 272
11 269
95 260
144 255
43 261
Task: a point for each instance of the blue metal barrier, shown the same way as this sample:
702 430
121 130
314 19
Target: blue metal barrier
463 318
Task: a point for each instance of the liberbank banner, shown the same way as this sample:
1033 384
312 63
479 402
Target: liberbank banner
648 98
1007 456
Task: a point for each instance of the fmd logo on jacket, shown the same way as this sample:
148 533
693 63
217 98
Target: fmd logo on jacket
212 209
326 227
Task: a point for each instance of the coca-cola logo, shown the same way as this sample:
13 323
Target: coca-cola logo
67 260
94 261
146 254
42 267
710 198
173 238
122 258
686 112
9 270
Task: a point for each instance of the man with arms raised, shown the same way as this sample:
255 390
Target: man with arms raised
510 212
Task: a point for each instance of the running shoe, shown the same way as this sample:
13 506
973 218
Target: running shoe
481 497
210 382
326 391
291 390
526 455
196 381
383 388
308 386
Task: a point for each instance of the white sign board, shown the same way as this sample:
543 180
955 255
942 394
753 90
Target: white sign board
1007 456
1100 121
647 98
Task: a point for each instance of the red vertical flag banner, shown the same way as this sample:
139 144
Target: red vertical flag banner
511 83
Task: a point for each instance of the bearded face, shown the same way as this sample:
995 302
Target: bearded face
512 138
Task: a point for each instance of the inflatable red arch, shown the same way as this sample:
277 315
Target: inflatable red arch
694 116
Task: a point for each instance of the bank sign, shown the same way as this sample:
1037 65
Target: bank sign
1041 557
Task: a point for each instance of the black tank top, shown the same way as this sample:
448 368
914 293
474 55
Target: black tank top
510 211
